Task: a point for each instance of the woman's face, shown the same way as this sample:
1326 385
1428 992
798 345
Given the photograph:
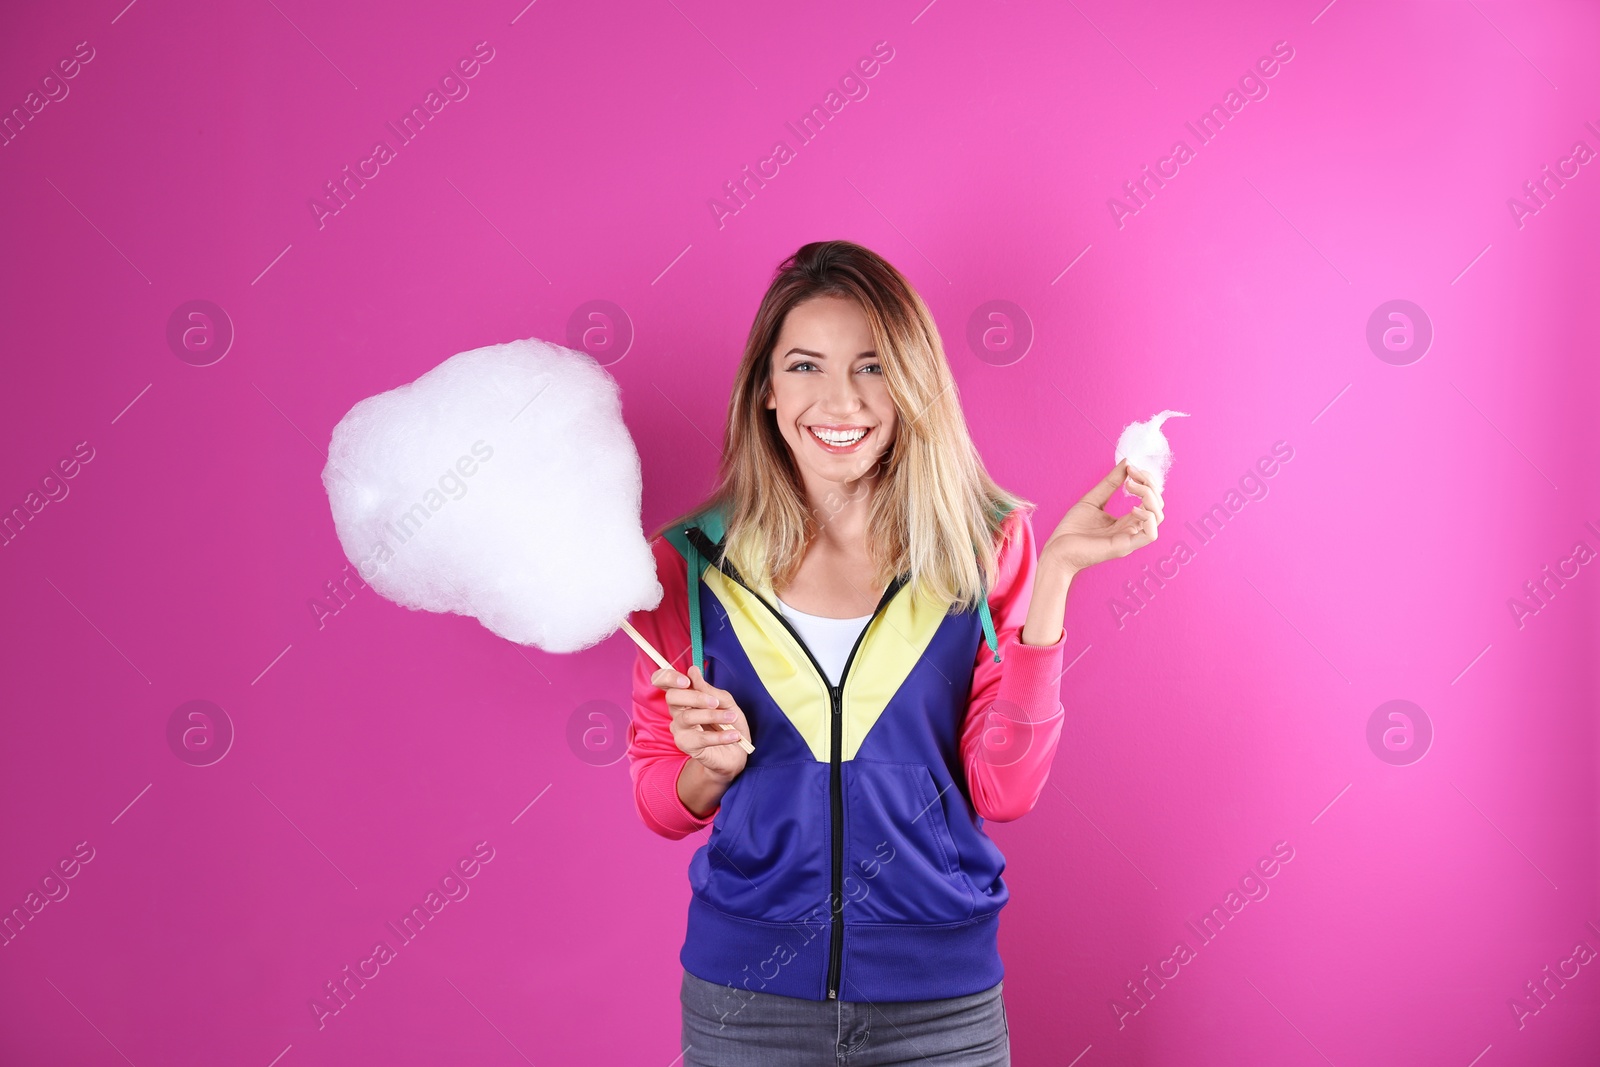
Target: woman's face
826 379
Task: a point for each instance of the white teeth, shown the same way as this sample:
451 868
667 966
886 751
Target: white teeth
833 437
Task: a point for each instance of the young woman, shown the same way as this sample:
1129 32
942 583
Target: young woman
863 605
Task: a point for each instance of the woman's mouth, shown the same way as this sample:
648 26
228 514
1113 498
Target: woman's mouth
839 440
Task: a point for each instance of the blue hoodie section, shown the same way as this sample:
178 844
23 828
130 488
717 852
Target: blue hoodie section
867 878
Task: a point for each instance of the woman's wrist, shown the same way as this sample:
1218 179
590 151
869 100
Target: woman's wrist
1054 563
1047 609
700 788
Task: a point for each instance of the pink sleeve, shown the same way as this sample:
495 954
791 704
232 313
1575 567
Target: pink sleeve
654 759
1015 715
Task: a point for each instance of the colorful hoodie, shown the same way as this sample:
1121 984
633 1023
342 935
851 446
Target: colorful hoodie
848 859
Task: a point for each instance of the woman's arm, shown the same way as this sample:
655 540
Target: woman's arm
1015 719
1015 715
661 781
1047 611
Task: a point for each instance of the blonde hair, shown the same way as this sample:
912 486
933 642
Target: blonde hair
935 511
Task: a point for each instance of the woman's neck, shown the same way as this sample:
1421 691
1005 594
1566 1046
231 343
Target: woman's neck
840 511
835 579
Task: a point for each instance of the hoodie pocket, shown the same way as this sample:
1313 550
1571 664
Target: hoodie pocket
767 857
901 865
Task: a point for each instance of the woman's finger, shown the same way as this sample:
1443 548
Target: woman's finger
697 723
1154 500
694 698
698 680
699 698
684 694
667 678
690 701
1144 522
693 742
697 710
1139 485
709 717
1103 489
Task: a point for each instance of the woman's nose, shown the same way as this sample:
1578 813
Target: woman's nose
844 396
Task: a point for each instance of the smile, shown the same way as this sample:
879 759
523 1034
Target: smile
839 440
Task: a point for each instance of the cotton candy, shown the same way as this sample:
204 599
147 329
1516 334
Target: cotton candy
501 484
1144 446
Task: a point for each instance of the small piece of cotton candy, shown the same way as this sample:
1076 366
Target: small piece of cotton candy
502 484
1144 446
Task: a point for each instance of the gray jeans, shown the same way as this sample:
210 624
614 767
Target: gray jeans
724 1026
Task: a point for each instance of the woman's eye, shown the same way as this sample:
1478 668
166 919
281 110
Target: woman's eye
804 363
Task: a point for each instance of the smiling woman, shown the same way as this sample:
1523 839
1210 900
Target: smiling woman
842 344
864 603
838 418
835 323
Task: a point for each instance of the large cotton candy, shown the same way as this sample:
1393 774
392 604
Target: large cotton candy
1144 446
501 484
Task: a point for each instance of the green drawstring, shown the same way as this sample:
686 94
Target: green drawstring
694 606
988 624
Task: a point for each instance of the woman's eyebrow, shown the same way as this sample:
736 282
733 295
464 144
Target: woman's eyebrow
869 354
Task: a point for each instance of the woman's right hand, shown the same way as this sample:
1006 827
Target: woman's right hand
697 710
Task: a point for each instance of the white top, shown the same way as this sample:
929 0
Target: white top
830 640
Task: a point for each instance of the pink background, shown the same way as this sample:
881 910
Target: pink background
375 748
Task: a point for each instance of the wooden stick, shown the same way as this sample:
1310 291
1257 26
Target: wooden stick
650 651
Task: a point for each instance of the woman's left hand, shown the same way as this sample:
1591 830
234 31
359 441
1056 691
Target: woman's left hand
1086 535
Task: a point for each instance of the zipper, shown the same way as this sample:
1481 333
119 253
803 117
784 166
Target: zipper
836 801
835 745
